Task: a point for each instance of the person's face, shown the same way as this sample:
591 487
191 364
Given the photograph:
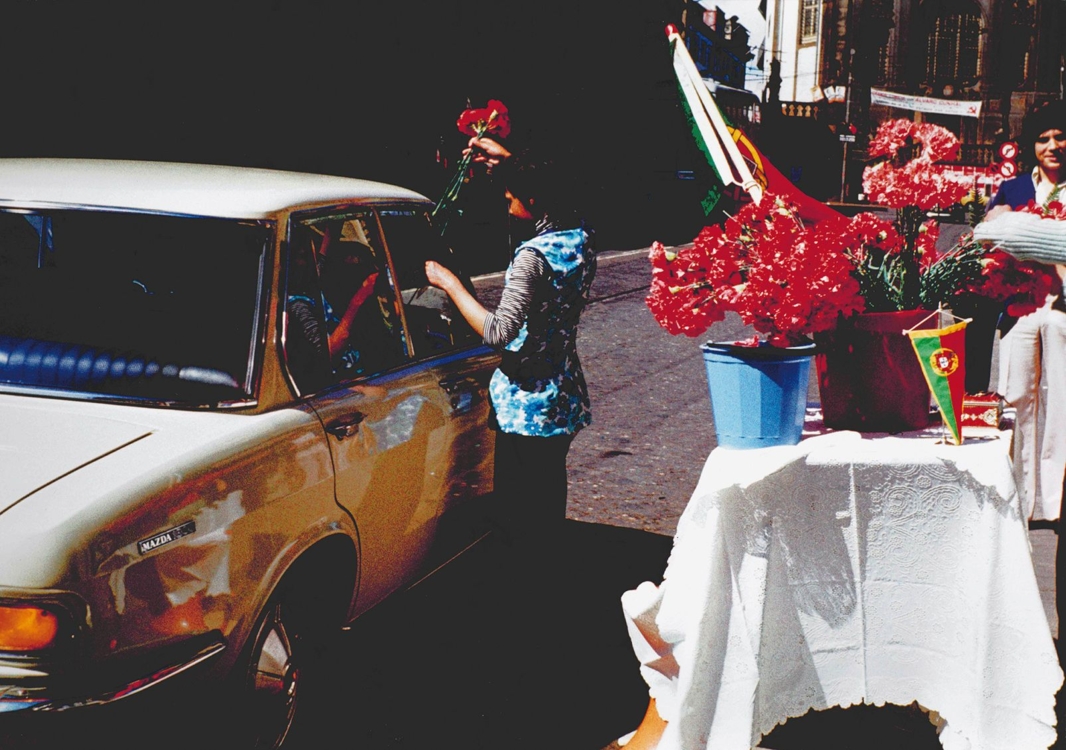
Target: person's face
516 208
1050 152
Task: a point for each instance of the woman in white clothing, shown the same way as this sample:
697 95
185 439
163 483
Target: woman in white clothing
1032 375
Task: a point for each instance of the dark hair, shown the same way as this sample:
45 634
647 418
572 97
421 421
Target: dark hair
1050 116
540 184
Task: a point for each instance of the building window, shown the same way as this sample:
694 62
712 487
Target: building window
809 21
953 49
885 73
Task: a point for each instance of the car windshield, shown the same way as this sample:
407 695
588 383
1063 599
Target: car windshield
129 305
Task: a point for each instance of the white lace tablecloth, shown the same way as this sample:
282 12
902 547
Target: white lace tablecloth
850 569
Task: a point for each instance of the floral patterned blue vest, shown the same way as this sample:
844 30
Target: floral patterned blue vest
539 389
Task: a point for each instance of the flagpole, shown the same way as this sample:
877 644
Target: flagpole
719 141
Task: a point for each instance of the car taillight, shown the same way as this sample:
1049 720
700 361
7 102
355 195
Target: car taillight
27 628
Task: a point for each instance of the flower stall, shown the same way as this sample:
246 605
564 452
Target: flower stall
850 285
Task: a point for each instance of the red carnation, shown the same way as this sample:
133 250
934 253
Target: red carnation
489 120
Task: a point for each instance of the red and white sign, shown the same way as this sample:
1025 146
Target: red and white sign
1008 151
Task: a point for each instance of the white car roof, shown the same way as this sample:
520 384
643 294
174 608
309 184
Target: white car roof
165 187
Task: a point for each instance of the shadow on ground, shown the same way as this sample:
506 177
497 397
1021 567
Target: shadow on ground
489 654
495 654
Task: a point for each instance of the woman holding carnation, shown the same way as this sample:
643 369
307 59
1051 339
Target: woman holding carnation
539 396
1033 350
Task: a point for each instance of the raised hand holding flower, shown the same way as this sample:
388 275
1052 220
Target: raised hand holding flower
492 119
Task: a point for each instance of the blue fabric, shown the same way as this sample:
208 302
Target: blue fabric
539 389
1015 192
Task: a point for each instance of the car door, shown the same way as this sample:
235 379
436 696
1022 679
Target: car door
447 352
387 422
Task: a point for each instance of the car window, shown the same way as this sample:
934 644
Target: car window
130 304
341 315
433 322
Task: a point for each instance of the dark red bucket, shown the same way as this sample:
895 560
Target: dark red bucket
869 377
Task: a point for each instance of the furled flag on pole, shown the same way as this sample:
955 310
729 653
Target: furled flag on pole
729 153
942 354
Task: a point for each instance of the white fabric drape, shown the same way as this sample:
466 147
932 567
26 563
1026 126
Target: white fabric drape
850 569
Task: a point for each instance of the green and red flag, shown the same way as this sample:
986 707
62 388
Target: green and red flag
730 155
709 128
942 355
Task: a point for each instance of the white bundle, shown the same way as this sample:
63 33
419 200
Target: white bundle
1026 236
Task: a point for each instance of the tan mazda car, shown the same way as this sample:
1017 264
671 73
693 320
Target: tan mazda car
233 416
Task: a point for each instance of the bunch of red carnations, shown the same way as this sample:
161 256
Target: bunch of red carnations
969 268
477 122
782 278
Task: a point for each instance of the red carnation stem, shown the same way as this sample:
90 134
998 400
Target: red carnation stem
451 192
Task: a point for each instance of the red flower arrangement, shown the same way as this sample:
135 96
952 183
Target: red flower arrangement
492 119
917 183
912 188
784 280
789 281
1022 286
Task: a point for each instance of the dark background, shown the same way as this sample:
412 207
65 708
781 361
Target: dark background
367 89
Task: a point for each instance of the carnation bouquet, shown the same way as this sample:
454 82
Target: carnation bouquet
893 273
491 119
763 264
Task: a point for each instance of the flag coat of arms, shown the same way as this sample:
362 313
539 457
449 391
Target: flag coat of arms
942 355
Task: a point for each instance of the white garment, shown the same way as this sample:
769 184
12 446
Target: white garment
1026 236
1032 379
850 569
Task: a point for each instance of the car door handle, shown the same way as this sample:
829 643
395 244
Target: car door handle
458 385
345 426
461 392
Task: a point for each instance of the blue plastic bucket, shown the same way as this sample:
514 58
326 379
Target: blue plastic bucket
758 394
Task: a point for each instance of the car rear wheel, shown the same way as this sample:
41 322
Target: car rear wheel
292 647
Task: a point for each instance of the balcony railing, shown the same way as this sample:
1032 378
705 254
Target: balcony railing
809 110
977 154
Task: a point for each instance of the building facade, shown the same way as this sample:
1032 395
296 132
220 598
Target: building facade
824 58
1006 54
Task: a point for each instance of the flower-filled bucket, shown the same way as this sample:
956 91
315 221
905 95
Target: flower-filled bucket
758 394
868 376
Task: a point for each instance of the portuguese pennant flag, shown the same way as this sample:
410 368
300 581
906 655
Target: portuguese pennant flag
942 354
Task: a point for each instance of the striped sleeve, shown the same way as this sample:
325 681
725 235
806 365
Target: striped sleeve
1026 236
503 325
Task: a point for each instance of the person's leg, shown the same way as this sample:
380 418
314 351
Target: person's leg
508 486
1019 379
1052 461
650 731
531 484
1060 611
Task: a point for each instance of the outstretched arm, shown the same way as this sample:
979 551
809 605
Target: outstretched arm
340 335
471 310
1026 236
